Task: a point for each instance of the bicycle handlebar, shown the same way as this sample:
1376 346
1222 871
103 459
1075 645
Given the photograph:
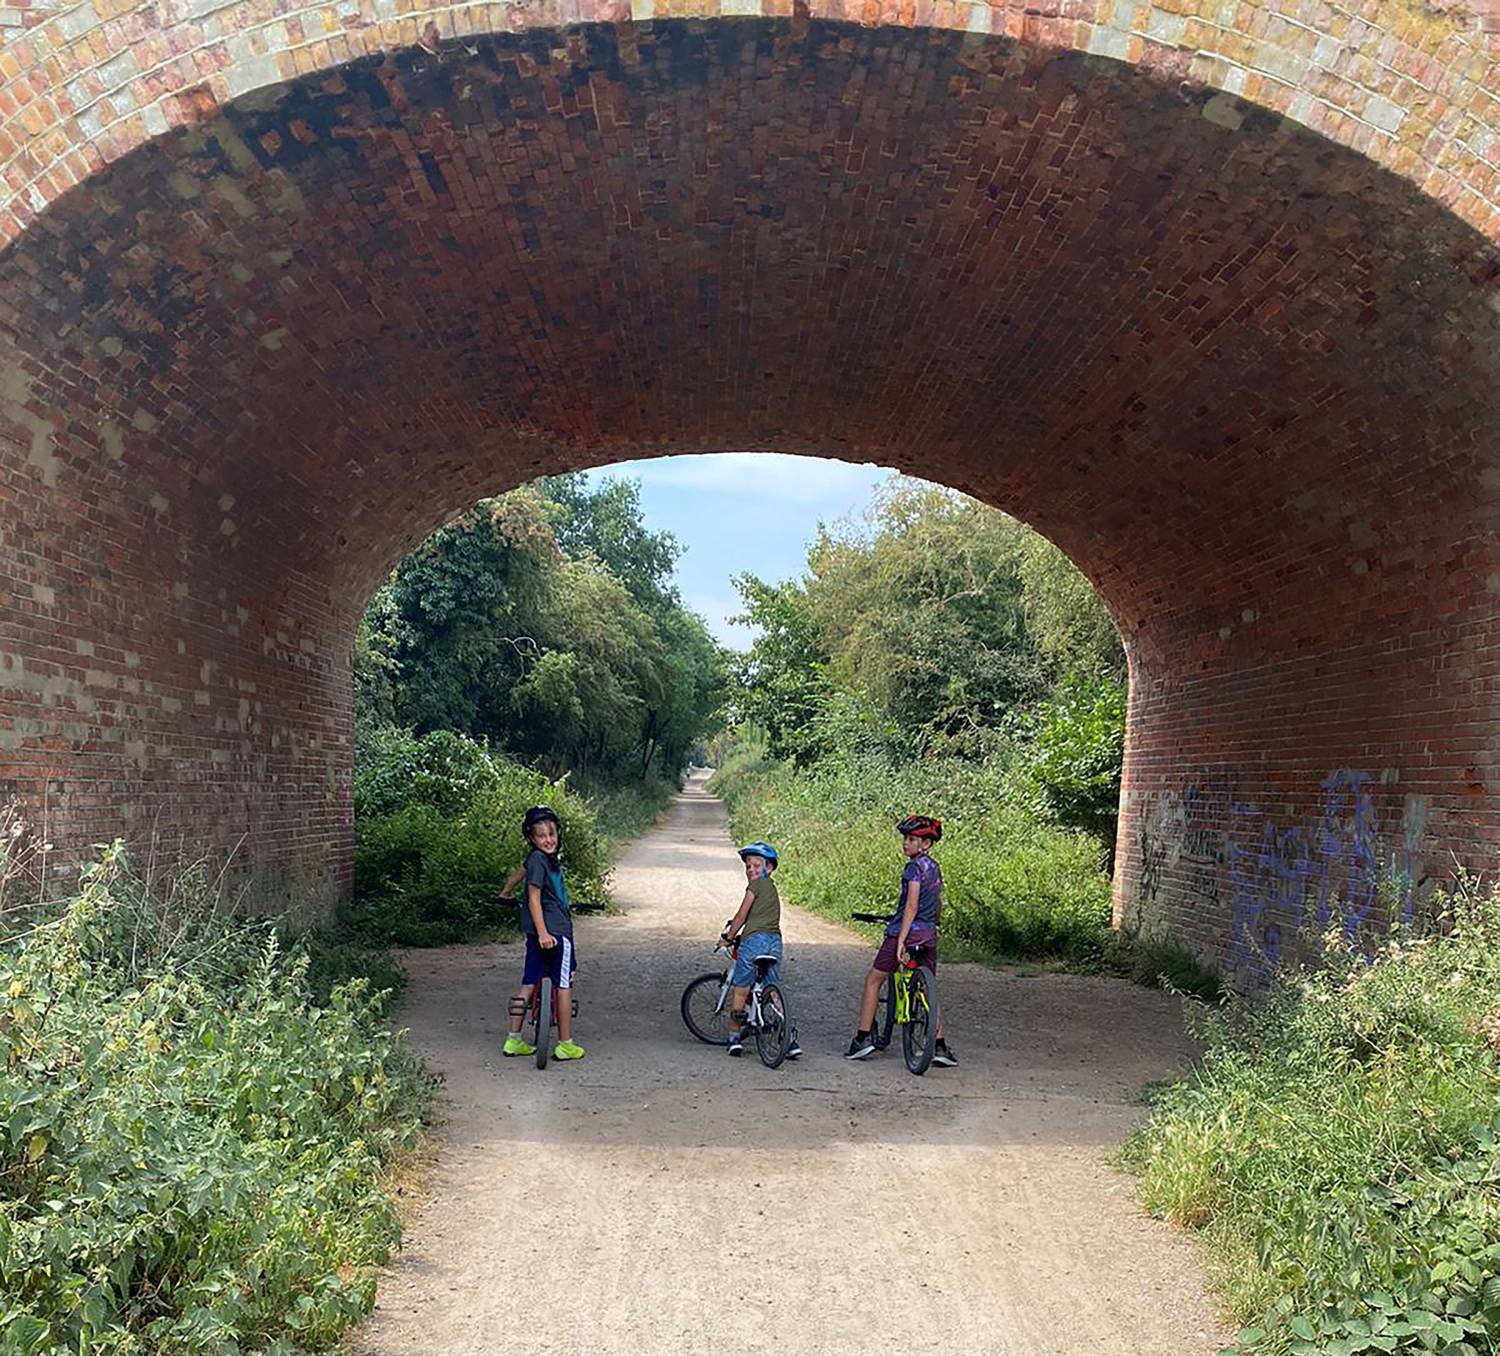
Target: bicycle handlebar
870 917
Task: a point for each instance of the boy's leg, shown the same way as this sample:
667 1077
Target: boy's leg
566 979
737 999
871 997
518 1017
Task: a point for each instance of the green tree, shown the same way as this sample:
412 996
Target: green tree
783 680
921 609
605 522
549 628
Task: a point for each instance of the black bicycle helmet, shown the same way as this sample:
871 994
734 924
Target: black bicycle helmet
759 849
538 814
920 826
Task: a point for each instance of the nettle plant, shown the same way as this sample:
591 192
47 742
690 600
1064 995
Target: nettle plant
1339 1147
191 1149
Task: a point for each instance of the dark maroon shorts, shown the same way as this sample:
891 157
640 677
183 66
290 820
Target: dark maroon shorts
885 959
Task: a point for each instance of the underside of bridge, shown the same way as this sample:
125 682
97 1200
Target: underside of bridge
1247 379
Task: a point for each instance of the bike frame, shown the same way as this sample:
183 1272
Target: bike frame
752 1009
903 986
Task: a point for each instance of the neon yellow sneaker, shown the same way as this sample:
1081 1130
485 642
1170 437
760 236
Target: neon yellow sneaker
567 1050
514 1045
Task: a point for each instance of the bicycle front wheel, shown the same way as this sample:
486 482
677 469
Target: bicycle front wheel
919 1034
885 1015
543 1020
773 1037
705 1007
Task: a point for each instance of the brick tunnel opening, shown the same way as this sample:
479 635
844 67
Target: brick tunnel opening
1244 377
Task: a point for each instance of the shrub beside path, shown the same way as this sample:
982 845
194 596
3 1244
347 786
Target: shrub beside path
659 1197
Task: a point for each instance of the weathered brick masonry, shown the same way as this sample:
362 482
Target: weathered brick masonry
1208 293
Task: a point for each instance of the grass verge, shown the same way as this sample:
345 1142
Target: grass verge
1338 1150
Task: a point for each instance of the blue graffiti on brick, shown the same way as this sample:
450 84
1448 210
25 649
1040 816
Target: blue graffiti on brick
1348 860
1269 868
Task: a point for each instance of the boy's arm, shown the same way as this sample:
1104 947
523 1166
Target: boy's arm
732 928
908 915
512 880
534 903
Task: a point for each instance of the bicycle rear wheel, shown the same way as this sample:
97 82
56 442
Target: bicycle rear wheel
705 1007
773 1037
885 1015
543 1020
919 1034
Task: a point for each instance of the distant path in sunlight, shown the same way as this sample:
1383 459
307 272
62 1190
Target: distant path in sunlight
660 1198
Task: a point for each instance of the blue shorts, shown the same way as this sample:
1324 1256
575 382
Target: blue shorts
756 944
558 964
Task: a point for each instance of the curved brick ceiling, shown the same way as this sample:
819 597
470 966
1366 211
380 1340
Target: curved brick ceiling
1245 376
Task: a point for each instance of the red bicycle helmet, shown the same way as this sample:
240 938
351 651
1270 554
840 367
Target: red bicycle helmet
920 826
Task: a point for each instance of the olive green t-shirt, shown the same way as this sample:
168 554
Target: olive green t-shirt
765 911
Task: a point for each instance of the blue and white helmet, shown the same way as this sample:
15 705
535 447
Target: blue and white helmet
760 850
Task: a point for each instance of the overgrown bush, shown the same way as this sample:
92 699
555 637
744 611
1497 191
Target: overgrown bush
191 1148
1014 886
623 812
1339 1148
1011 886
437 830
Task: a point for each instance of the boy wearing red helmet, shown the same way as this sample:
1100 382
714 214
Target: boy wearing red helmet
915 919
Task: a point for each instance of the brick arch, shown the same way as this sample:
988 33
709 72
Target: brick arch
1414 87
1243 375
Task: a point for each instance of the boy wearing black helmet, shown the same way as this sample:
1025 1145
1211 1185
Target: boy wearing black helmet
915 919
547 921
757 925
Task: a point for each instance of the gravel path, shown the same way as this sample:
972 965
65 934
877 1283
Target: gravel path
660 1198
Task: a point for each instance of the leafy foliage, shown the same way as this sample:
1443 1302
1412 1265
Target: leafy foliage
1339 1149
938 627
191 1147
1075 755
1011 885
545 622
437 830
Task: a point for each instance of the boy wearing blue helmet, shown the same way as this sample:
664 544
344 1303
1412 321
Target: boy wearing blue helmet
757 926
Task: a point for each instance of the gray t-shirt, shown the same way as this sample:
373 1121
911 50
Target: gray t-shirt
557 912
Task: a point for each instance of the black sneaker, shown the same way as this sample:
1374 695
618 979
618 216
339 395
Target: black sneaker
943 1056
795 1048
861 1047
736 1043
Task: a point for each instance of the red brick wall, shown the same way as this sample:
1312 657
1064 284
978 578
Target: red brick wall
1244 376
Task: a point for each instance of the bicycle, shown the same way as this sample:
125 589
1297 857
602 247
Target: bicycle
706 1007
541 1011
908 998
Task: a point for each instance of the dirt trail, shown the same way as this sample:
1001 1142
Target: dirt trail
660 1198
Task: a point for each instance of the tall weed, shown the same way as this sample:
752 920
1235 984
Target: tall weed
1339 1148
190 1147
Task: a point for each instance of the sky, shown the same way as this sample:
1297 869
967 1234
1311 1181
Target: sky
736 511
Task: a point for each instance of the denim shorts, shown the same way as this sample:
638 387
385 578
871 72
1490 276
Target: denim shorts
756 944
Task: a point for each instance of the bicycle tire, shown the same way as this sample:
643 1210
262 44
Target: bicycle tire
885 1015
712 984
919 1033
543 1020
774 1034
